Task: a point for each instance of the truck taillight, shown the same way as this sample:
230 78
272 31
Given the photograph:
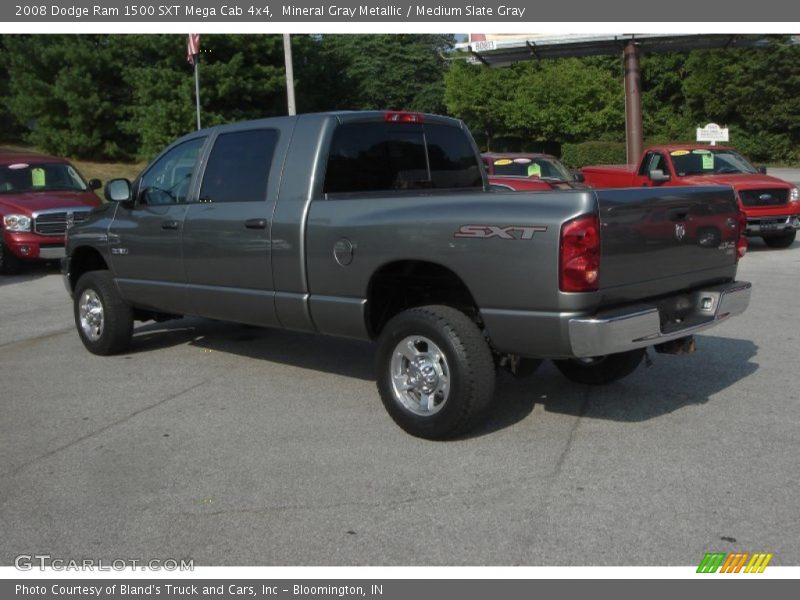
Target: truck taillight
741 242
393 116
579 255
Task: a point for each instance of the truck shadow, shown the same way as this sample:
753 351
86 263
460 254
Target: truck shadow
30 273
339 356
672 383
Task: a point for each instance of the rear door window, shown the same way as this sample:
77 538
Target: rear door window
238 167
375 157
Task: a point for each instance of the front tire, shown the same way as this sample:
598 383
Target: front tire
103 319
600 370
784 240
435 372
9 263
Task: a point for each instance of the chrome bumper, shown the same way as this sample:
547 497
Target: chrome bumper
759 225
640 326
51 253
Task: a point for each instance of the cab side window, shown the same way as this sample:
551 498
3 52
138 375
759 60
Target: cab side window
653 161
238 167
167 180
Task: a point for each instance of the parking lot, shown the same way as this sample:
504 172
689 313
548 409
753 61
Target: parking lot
238 446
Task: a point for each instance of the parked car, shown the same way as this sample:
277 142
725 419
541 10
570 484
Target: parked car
40 197
381 226
771 205
545 167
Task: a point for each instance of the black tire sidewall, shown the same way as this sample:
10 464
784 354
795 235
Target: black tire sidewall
117 317
9 263
783 240
460 407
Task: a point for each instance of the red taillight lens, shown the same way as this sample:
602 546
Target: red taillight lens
741 242
403 117
579 256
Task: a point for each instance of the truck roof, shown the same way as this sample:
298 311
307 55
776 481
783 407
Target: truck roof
673 147
10 158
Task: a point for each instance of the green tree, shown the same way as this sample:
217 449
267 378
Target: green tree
69 91
481 97
391 71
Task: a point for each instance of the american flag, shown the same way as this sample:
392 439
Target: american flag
192 47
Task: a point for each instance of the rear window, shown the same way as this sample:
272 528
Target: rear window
374 157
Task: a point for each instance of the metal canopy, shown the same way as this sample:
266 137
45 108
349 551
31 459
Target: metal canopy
504 52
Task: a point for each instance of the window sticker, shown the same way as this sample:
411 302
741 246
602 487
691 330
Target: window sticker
534 169
17 166
522 161
708 161
679 153
701 151
502 162
37 177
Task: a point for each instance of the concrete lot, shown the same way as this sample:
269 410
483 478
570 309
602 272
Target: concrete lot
237 446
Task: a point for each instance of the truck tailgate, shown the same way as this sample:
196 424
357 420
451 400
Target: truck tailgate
660 240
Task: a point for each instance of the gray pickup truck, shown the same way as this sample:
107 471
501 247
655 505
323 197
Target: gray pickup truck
381 226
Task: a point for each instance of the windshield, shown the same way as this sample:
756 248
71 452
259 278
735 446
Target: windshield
545 168
702 161
40 177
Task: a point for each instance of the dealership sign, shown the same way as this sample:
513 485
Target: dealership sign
712 133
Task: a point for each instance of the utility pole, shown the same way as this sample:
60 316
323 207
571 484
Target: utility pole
633 102
287 55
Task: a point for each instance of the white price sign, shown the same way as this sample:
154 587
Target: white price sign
712 133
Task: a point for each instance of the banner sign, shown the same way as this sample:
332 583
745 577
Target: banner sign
420 11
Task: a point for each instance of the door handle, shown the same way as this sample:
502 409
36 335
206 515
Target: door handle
678 214
170 225
256 223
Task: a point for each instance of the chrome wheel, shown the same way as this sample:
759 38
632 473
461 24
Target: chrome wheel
90 312
420 376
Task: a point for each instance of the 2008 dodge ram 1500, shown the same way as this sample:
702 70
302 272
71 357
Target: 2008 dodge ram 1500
381 225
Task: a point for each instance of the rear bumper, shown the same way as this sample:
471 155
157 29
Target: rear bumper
640 326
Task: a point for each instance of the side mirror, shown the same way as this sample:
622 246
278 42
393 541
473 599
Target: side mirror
118 190
95 184
762 169
658 175
579 177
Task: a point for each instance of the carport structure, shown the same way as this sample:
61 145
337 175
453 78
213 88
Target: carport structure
506 49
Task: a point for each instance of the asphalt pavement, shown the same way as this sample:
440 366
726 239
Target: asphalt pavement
238 446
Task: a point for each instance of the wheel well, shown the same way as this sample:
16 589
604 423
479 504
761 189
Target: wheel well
400 285
84 259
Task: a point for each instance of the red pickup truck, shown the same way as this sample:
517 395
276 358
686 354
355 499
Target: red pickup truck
771 205
40 197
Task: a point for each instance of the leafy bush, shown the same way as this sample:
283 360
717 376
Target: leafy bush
593 153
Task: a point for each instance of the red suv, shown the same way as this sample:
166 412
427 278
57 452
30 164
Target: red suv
40 197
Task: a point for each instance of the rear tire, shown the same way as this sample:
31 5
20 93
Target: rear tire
784 240
600 370
103 319
9 263
435 372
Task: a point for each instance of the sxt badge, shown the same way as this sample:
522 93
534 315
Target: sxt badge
511 232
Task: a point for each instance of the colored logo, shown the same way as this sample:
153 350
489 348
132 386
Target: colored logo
735 562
